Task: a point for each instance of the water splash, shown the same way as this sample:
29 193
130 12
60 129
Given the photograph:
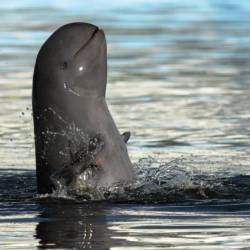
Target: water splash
78 173
160 181
156 181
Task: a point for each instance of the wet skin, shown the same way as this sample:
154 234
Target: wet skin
69 86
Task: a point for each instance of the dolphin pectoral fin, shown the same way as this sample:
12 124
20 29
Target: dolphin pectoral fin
63 177
125 136
87 156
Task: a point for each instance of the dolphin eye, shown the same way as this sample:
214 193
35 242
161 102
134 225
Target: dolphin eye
64 65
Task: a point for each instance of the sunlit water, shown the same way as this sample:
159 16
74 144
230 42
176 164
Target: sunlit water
178 79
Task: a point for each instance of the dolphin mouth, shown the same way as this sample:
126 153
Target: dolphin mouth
94 33
97 35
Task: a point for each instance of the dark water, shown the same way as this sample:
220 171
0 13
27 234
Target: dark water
179 75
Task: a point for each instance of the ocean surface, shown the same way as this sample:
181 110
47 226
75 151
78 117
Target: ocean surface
179 80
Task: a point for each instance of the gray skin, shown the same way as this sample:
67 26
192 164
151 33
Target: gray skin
69 86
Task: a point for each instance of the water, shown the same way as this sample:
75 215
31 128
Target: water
178 79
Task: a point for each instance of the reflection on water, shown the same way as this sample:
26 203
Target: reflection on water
73 227
67 225
178 80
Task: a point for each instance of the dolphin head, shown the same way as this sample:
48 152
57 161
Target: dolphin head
74 59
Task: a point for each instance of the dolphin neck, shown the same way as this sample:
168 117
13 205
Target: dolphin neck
92 98
86 94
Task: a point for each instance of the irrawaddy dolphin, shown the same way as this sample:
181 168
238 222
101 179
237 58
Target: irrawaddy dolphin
74 130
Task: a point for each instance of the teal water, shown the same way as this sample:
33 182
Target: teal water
178 79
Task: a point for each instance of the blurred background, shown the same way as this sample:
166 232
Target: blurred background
178 79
